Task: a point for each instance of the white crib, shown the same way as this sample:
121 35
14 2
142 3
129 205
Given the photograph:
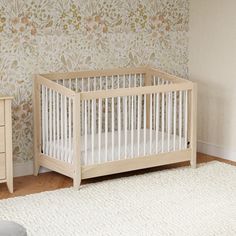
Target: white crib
95 123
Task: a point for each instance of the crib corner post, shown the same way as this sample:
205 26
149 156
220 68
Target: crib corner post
76 141
37 123
193 141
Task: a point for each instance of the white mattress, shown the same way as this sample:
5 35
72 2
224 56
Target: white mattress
66 152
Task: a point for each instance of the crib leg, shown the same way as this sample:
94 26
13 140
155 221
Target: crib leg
193 161
76 182
36 169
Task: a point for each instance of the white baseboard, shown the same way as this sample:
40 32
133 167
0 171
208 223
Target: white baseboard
26 168
22 169
215 150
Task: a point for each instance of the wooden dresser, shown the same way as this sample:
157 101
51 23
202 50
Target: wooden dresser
6 172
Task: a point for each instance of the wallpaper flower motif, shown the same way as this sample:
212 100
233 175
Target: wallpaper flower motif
40 36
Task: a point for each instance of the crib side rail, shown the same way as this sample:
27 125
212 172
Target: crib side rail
115 123
136 91
54 107
95 73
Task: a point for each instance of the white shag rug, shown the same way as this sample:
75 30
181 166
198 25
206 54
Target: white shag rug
181 201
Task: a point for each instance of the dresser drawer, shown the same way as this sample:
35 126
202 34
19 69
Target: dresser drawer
2 166
2 139
2 113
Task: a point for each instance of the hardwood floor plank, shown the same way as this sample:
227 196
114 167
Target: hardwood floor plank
51 180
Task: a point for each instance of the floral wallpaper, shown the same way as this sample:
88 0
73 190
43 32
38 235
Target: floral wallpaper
40 36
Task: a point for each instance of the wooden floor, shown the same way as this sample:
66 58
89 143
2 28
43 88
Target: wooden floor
51 180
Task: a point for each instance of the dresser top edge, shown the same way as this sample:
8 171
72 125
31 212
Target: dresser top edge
5 97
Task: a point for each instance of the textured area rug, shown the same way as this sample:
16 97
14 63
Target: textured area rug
181 201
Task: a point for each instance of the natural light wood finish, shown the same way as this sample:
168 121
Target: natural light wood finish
2 117
77 165
51 180
2 166
135 91
6 172
37 124
56 165
193 125
2 139
95 73
81 172
115 167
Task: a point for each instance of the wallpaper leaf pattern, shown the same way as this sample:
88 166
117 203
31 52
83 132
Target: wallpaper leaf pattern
40 36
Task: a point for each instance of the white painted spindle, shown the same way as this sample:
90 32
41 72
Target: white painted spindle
112 120
106 126
150 125
132 126
144 124
180 120
175 110
54 124
43 119
157 121
162 122
186 121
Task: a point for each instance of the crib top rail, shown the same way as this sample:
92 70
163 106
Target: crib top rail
146 70
95 73
136 91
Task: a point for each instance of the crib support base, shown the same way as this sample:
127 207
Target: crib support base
120 166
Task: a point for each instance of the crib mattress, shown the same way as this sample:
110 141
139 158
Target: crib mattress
152 146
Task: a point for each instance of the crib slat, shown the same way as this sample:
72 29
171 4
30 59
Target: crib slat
85 132
126 117
139 122
180 120
69 83
186 121
62 128
82 121
99 128
157 121
112 120
76 85
175 110
54 124
132 126
123 100
169 122
46 120
144 124
119 120
89 101
65 130
93 129
106 126
135 102
58 128
162 122
50 121
150 124
70 133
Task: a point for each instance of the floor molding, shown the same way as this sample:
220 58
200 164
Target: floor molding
216 151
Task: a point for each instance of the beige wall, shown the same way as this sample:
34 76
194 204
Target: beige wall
213 65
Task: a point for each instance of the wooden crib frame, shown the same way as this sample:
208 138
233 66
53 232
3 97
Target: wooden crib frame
78 172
